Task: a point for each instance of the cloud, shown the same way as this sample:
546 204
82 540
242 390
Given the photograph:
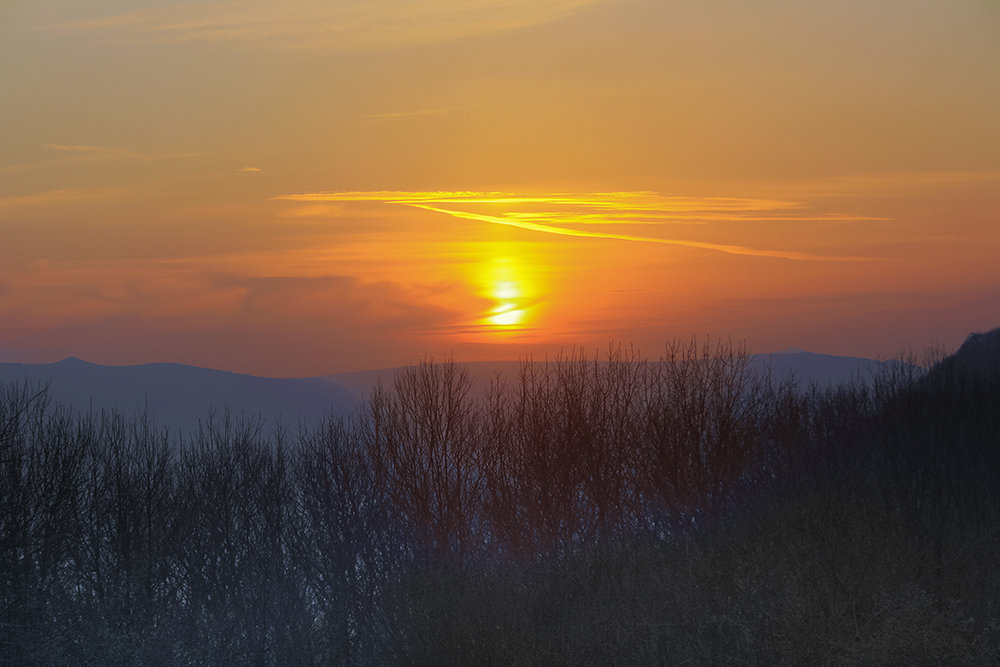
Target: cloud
250 169
50 197
85 153
900 183
350 25
105 22
106 152
415 113
194 311
563 214
77 149
312 211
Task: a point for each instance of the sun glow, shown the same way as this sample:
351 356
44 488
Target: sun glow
506 315
504 284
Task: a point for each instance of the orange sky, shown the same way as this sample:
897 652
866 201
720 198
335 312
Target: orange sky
306 187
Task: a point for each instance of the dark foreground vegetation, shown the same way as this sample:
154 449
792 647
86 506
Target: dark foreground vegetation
682 511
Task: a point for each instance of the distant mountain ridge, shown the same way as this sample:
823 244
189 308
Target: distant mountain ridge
978 358
178 396
980 350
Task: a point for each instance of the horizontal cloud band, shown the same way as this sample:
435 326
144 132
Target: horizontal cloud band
615 208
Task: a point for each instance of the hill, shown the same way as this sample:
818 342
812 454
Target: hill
178 396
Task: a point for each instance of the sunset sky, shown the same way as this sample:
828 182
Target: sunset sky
311 186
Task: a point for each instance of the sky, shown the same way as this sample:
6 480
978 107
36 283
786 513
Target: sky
305 187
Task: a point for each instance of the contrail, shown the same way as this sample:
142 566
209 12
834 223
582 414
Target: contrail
618 207
564 231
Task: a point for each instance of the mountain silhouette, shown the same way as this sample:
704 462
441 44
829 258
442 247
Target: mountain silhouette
179 396
977 361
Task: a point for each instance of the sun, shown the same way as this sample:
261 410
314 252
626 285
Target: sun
506 315
505 285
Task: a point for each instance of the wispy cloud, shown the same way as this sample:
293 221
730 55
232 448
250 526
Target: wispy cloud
68 153
893 183
52 197
109 152
563 214
413 113
77 149
252 170
103 22
320 24
197 306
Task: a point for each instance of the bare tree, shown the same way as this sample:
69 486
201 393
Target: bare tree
424 436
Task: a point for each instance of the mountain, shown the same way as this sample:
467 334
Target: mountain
823 370
178 396
978 358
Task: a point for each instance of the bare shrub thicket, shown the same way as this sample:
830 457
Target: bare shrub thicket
578 450
610 509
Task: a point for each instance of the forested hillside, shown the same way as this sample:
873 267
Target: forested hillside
682 510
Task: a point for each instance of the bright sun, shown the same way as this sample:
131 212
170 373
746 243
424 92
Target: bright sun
506 315
505 286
